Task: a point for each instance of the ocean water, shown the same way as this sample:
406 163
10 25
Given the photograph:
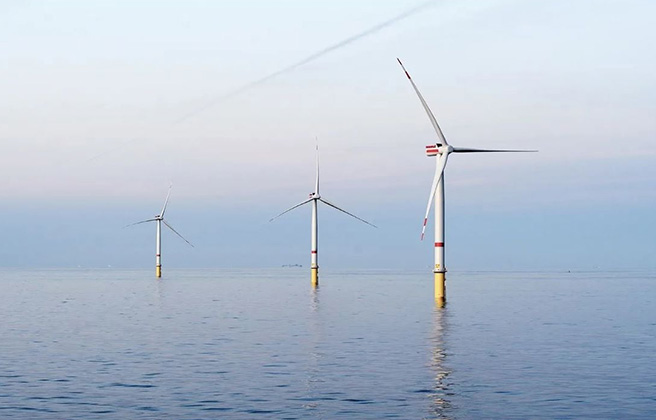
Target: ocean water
250 344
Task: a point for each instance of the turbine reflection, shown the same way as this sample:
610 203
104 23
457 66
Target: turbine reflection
441 407
314 379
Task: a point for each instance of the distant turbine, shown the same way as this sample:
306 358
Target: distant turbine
442 149
158 247
315 197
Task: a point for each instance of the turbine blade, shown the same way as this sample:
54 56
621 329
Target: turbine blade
439 171
290 209
138 223
344 211
166 202
316 187
470 150
176 232
433 121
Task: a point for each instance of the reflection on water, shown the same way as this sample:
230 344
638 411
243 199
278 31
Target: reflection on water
159 286
241 344
441 405
313 370
314 302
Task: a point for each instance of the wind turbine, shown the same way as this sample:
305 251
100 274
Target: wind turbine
158 247
442 149
315 197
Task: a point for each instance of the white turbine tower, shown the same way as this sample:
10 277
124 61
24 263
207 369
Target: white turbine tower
158 241
315 197
442 149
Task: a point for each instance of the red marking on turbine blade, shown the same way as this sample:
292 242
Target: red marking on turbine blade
422 236
425 221
406 73
439 244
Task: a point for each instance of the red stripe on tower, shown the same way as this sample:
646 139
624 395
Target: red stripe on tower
314 252
439 244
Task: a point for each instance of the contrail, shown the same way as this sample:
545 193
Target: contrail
309 58
113 149
306 60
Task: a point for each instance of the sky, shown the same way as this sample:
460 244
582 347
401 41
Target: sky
103 104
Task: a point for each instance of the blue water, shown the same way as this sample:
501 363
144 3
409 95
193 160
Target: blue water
205 344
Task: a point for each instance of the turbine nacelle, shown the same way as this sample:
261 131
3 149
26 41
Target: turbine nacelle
315 196
438 149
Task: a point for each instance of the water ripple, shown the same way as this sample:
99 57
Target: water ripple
368 345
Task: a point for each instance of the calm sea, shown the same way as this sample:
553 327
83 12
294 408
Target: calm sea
206 344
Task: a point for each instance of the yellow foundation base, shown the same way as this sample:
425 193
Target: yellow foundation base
158 271
315 277
440 289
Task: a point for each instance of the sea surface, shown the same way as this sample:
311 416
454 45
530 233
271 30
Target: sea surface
251 344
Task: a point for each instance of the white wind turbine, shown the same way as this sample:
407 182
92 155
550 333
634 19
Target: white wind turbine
442 149
158 247
315 197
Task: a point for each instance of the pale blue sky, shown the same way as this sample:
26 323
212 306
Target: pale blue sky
81 79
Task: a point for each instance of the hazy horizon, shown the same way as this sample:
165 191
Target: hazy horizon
91 132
